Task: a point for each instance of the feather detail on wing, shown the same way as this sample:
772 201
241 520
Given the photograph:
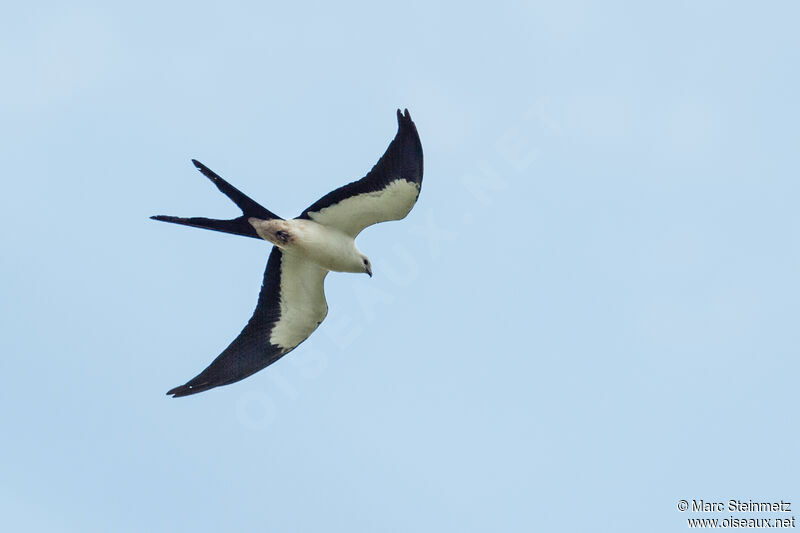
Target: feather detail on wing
290 307
387 192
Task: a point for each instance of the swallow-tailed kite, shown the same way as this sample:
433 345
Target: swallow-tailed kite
292 300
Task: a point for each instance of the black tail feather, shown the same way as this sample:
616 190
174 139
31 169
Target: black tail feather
249 207
238 226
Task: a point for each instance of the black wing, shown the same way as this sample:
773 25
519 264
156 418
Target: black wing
387 192
290 307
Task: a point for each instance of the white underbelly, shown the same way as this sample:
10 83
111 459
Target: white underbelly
329 248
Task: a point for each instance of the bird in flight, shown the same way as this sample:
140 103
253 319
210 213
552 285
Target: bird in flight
292 300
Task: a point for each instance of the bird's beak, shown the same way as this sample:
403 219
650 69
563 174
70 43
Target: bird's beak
369 271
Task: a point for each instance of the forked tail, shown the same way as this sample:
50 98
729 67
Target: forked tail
239 225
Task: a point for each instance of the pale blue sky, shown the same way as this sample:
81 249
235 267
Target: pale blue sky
591 313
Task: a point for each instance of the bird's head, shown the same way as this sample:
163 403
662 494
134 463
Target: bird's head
366 264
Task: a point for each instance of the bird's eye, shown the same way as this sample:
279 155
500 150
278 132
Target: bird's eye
366 262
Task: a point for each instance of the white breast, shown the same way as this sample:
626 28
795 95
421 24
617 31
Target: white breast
329 248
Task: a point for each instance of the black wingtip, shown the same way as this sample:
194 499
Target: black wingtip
403 117
164 218
178 392
187 389
182 390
